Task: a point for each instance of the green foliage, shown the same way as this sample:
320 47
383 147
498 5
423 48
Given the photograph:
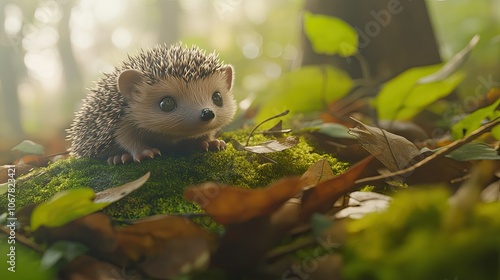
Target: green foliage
473 121
29 147
65 207
403 97
62 250
474 151
27 263
305 90
4 188
333 130
410 241
330 35
308 89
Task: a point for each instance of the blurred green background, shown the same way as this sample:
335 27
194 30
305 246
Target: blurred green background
51 51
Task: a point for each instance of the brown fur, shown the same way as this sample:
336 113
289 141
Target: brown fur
146 125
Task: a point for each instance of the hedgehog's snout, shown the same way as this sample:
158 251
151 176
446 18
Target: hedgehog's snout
207 114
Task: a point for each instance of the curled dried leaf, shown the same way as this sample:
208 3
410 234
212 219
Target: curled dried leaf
229 204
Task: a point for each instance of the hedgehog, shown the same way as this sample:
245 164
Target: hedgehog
164 99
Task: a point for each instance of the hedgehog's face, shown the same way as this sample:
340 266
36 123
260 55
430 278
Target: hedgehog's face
179 109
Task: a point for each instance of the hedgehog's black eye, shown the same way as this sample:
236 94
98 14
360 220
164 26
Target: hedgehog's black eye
217 98
168 104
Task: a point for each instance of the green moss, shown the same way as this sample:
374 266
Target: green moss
170 175
410 240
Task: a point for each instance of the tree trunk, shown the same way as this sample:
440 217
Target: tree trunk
9 78
71 72
169 21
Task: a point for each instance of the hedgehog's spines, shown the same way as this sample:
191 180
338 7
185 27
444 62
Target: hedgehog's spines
92 130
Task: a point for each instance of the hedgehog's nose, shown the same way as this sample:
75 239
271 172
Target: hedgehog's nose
207 114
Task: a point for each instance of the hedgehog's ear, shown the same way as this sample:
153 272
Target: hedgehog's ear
128 80
229 75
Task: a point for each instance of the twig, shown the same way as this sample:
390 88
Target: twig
23 240
264 121
442 152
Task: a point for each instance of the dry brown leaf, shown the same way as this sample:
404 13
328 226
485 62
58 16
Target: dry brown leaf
394 151
321 198
273 145
117 193
362 203
93 230
287 216
6 171
317 173
431 161
85 267
228 204
277 130
163 246
244 244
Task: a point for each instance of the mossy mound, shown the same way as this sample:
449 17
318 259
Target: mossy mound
170 175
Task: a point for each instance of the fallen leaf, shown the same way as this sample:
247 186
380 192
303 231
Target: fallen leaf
65 207
95 231
276 130
431 161
273 145
317 173
88 268
228 204
6 171
288 215
243 245
320 198
492 192
362 203
330 187
117 193
163 246
394 151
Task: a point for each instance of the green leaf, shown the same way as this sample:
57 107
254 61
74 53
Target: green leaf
29 147
473 121
402 97
117 193
333 130
330 35
474 151
4 188
305 90
27 262
496 132
65 207
62 250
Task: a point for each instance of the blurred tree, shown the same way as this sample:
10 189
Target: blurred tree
9 79
168 25
71 71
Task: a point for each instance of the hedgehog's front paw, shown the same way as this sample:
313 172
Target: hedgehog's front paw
137 157
213 145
